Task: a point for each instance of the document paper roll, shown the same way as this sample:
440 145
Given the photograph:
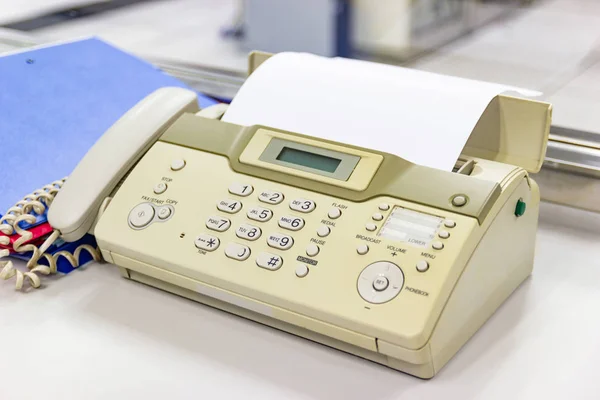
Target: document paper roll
423 117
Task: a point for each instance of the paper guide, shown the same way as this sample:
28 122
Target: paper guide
422 117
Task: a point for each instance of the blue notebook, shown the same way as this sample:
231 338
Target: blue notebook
56 101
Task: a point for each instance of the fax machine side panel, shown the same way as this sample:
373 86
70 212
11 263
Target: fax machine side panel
160 212
502 261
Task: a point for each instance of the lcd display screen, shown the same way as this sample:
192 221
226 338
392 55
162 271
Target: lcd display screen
307 159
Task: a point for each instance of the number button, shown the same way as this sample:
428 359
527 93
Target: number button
269 261
291 223
248 232
260 214
218 224
237 251
229 206
241 189
207 242
280 241
302 205
271 197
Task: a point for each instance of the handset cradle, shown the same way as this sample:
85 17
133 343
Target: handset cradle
74 210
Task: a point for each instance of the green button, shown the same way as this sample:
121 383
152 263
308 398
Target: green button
520 208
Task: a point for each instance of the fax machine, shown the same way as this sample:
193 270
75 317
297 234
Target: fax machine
357 249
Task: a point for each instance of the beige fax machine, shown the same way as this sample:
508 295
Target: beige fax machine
356 249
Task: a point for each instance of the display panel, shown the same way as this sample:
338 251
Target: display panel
415 228
307 159
313 159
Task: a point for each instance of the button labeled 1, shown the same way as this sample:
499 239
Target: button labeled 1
237 251
241 189
269 261
302 205
280 241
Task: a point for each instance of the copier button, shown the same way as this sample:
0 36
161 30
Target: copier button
164 212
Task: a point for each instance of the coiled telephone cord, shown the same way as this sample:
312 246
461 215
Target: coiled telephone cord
36 202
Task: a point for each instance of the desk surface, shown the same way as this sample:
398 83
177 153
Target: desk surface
94 335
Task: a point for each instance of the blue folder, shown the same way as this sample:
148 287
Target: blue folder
56 101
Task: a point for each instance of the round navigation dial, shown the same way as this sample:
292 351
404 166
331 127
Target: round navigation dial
380 282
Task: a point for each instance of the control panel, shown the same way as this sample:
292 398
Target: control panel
309 252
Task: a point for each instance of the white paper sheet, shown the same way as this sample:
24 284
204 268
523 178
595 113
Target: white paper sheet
422 117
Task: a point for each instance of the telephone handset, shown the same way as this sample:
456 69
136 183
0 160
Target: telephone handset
73 204
76 205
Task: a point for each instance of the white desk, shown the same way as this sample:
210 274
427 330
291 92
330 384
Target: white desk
93 335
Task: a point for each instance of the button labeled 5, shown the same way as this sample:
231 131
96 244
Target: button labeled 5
218 224
302 205
291 223
248 232
280 241
260 214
